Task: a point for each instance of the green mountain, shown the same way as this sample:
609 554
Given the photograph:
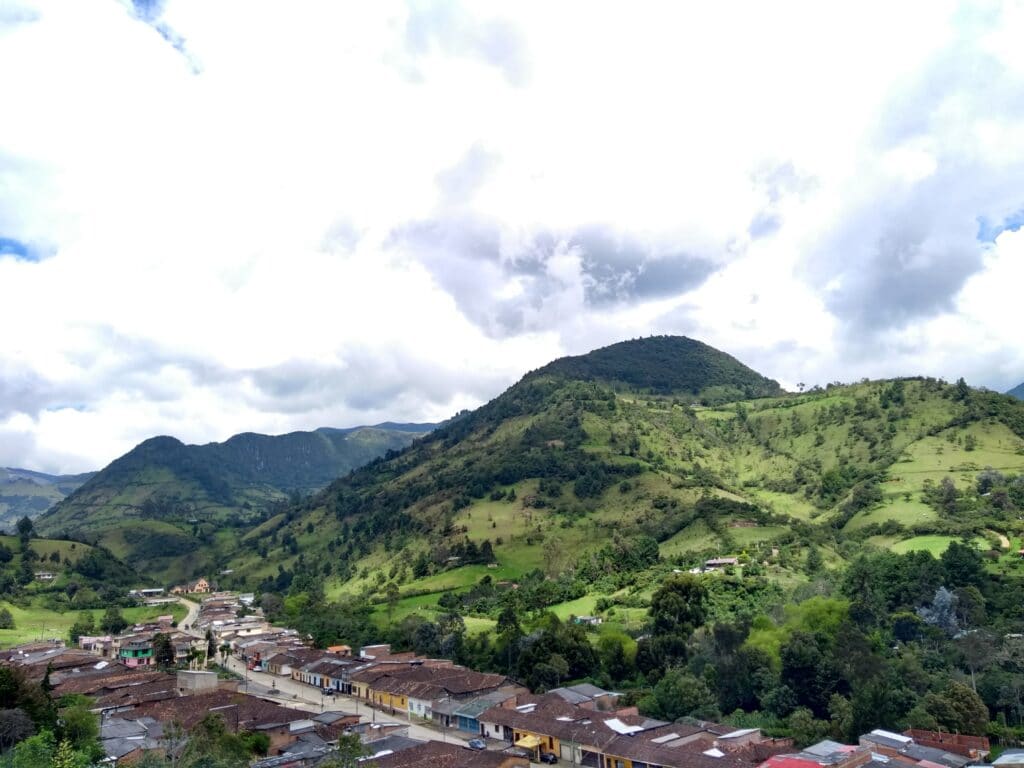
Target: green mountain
583 487
665 365
24 492
1017 391
172 509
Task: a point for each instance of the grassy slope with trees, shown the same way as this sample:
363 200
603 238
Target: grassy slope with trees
86 581
589 495
565 478
174 510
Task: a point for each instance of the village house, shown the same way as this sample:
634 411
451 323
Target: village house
425 688
549 724
588 696
146 592
898 745
239 712
974 747
136 651
284 663
198 587
326 673
435 754
101 645
356 680
125 740
112 685
720 562
1010 758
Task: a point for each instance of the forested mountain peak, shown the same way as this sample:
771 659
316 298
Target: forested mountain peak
1017 391
665 365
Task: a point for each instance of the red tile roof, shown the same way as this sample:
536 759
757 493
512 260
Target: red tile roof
248 711
435 754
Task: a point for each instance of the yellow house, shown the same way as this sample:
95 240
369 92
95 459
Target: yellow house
535 741
360 689
396 701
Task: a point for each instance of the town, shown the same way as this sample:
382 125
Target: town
156 681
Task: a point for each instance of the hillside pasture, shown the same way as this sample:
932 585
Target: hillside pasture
906 513
935 457
934 544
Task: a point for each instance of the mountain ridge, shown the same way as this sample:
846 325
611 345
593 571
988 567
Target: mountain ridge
1017 392
165 499
29 493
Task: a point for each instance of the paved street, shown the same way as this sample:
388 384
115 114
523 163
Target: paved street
296 695
190 618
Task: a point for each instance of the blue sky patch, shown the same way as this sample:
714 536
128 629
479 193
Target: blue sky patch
988 232
19 250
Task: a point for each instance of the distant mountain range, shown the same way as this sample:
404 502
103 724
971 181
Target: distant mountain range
26 492
165 499
1017 391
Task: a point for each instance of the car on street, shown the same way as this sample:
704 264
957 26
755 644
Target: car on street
476 744
548 757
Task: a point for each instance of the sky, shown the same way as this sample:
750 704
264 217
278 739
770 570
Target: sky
232 216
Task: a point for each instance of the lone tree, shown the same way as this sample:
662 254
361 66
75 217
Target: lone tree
163 650
25 530
113 622
677 607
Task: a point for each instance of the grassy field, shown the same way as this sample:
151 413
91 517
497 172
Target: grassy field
693 538
34 623
785 504
746 537
934 544
934 458
583 606
906 513
66 550
425 606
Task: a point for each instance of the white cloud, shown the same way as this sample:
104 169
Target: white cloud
225 196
